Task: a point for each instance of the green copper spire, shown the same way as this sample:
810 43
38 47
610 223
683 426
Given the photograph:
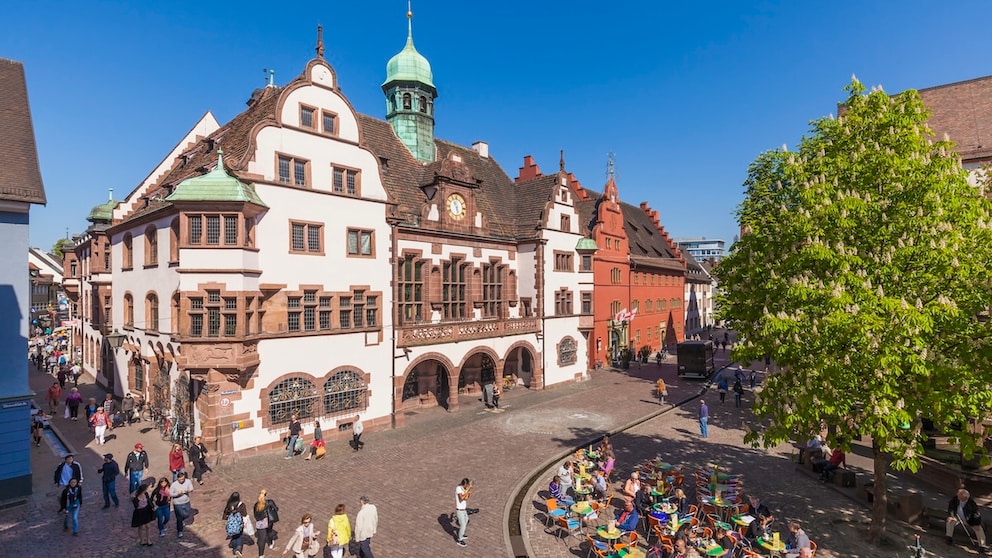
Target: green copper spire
216 185
410 94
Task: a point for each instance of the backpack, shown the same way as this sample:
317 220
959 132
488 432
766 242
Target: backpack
235 523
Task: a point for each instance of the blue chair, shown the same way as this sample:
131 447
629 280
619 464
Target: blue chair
553 512
568 526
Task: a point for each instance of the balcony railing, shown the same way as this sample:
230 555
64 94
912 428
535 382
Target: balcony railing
435 334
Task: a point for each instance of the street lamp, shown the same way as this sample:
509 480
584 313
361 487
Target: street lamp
116 340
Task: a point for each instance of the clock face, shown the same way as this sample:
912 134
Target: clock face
456 206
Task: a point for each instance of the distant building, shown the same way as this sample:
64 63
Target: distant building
703 248
20 186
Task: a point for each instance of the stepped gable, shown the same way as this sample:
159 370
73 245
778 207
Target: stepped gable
652 214
20 176
963 111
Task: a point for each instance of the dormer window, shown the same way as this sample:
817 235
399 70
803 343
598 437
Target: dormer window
307 117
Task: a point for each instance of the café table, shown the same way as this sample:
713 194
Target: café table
665 507
584 491
743 520
769 544
581 508
629 552
711 550
609 536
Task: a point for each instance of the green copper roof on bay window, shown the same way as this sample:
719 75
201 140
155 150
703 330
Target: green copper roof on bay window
105 211
586 244
409 65
216 185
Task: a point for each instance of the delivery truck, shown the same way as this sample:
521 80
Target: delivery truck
696 359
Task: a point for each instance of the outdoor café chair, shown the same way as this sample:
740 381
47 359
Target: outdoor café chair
553 511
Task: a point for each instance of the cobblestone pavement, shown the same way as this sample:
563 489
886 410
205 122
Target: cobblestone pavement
410 474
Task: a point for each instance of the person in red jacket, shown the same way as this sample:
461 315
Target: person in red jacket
177 461
837 460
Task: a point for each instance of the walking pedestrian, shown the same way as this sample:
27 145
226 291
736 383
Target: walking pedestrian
704 416
497 392
76 372
109 405
70 501
67 471
198 459
738 391
62 376
462 493
754 378
100 421
356 434
134 467
127 407
162 499
177 461
318 442
662 390
366 523
37 426
722 388
179 491
294 434
90 408
265 513
143 514
72 402
304 543
488 381
54 395
338 532
234 517
110 470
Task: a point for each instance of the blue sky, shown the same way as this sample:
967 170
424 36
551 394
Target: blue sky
685 94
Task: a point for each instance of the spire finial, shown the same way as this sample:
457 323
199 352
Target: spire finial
561 161
220 158
320 42
610 164
409 20
110 194
270 77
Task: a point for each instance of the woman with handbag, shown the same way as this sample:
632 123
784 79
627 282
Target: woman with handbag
261 514
317 446
304 543
338 532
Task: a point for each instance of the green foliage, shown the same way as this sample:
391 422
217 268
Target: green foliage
60 245
862 275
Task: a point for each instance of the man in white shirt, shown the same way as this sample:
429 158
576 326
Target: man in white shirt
462 493
565 472
366 523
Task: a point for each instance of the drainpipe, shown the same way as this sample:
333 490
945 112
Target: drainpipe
541 310
393 259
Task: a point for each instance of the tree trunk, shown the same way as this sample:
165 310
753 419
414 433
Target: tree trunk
879 509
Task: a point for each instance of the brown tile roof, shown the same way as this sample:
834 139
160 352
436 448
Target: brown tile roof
20 177
963 111
531 202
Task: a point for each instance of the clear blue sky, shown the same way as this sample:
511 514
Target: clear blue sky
685 94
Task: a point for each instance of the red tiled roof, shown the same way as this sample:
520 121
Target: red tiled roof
20 177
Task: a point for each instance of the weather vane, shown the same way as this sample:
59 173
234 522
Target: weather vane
610 163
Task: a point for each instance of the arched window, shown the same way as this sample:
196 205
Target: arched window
151 246
174 241
423 104
293 395
128 310
128 249
407 101
345 390
151 312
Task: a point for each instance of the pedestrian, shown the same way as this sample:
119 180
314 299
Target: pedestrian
366 523
318 442
37 426
76 372
738 391
356 434
462 493
304 543
143 514
62 376
90 408
704 416
177 461
162 500
110 470
134 467
754 378
963 509
661 390
127 407
67 471
488 380
265 513
294 434
100 421
72 403
109 405
198 459
722 388
70 501
338 532
234 518
497 392
54 395
179 491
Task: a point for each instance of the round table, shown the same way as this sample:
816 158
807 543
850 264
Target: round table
581 508
665 507
660 516
743 520
715 550
769 544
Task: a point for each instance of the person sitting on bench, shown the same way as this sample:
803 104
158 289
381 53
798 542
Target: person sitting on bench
962 508
837 460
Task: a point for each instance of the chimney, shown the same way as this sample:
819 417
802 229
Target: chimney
482 148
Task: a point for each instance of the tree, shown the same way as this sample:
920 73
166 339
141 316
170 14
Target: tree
59 247
863 274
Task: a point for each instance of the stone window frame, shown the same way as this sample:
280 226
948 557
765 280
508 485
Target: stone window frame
264 413
346 172
307 250
127 252
564 261
290 181
151 246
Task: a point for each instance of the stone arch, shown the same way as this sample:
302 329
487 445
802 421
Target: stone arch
425 386
527 368
474 370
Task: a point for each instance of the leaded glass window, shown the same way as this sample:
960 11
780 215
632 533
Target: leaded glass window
292 395
344 391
